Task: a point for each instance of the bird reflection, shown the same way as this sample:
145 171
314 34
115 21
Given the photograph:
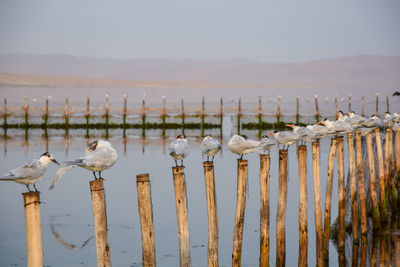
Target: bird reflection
64 243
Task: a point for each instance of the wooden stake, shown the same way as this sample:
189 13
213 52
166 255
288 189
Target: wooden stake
239 115
390 168
26 110
384 197
240 209
260 122
164 114
124 112
328 199
354 255
377 104
46 112
202 115
397 153
182 215
387 103
336 108
350 95
106 111
33 229
361 184
342 194
281 211
376 218
212 213
363 253
303 231
183 115
297 109
100 222
265 162
375 248
87 115
146 220
316 108
353 188
278 109
221 113
66 112
362 105
5 112
317 203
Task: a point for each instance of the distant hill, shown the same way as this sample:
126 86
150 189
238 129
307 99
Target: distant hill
366 71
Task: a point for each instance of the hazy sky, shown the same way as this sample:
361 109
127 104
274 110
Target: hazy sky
268 31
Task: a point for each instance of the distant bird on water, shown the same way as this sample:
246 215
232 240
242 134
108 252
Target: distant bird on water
210 147
30 173
99 156
179 149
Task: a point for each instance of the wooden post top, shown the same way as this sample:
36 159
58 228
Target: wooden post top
96 185
265 156
177 170
283 152
242 162
140 178
302 147
208 164
31 198
315 143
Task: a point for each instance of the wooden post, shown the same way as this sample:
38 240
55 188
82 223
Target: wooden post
278 109
361 184
336 108
362 106
124 113
183 115
281 211
143 118
221 115
354 255
353 188
375 248
240 209
106 111
46 112
100 222
363 252
5 112
265 162
350 95
26 111
342 194
212 213
260 123
164 114
33 229
146 220
66 112
202 115
397 152
376 104
389 168
316 108
328 199
297 109
182 215
317 203
303 231
239 115
384 197
376 218
387 103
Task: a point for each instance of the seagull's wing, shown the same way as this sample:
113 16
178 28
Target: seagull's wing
99 157
59 174
25 171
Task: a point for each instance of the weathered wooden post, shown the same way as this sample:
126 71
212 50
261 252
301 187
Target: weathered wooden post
5 112
239 114
46 112
124 113
66 112
212 213
362 105
202 113
377 104
350 95
183 115
240 209
100 222
221 115
33 229
354 255
146 220
361 184
26 111
303 231
297 109
353 188
278 110
375 248
317 203
143 118
107 111
260 122
182 215
342 194
397 152
384 196
164 114
281 211
376 218
363 252
336 108
316 108
328 199
392 173
387 103
265 162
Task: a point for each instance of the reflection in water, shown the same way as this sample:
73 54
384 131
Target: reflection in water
57 236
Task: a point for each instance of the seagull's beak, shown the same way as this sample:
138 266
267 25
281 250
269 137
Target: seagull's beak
270 133
320 122
290 125
56 162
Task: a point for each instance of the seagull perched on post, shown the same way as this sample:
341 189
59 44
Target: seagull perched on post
30 173
210 147
179 149
99 156
239 144
285 138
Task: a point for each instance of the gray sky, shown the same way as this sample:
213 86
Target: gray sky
268 31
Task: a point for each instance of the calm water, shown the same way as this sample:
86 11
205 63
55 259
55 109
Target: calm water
66 210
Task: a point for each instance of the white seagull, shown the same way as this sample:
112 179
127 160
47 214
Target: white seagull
99 156
285 138
268 141
319 130
239 144
339 126
304 134
179 149
373 121
30 173
210 147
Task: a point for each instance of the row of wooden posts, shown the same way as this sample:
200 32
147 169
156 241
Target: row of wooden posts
384 201
144 111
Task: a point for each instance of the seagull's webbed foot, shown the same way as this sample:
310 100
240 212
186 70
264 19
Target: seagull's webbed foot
94 173
27 186
35 188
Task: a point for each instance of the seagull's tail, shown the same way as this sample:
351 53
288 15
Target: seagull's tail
7 179
59 174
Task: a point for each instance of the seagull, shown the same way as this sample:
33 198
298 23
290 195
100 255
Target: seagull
303 133
339 126
285 138
210 146
396 117
342 116
319 130
179 149
388 119
99 156
239 144
30 173
355 120
373 121
268 141
396 126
